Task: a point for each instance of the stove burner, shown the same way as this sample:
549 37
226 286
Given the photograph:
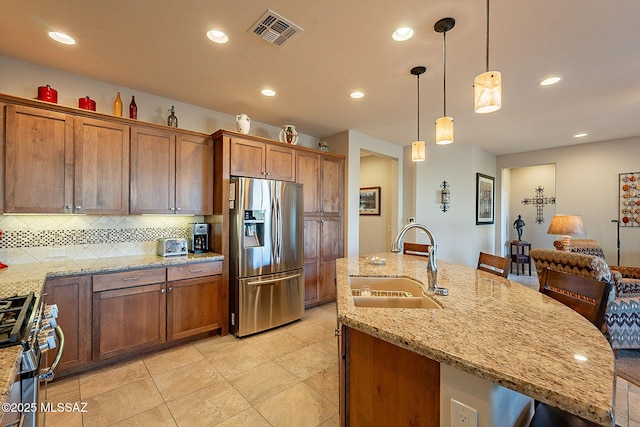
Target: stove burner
16 315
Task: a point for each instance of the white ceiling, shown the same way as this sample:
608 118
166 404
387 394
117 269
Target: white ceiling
160 47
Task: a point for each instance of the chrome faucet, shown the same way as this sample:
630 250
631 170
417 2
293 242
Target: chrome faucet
432 265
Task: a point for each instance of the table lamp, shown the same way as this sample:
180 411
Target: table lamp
567 226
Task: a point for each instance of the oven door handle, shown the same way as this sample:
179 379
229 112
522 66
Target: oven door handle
48 376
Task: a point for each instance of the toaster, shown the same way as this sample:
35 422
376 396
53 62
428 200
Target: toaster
172 246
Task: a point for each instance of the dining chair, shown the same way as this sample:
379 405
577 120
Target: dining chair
493 264
588 297
419 249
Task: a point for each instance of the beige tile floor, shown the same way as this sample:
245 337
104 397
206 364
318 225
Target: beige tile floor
284 377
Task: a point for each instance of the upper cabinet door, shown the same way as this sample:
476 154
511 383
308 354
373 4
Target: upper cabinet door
332 183
152 171
248 158
280 163
101 167
308 174
194 175
39 161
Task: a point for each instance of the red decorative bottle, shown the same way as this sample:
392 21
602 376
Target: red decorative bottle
133 108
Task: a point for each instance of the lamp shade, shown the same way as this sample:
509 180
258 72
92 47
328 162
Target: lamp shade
444 130
488 92
567 226
418 151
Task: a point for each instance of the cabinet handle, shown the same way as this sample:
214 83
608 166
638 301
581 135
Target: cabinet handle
131 279
162 291
68 207
172 209
178 208
170 288
78 207
196 271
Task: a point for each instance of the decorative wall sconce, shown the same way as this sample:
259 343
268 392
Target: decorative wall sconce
445 194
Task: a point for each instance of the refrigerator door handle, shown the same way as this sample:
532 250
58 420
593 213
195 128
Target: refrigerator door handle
278 279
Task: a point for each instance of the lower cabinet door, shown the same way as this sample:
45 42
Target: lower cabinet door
192 307
128 320
72 295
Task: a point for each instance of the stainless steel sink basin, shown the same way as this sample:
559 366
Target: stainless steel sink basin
389 292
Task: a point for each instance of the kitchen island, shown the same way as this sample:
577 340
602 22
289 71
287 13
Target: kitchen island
490 331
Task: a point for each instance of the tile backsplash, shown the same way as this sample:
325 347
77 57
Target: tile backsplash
36 238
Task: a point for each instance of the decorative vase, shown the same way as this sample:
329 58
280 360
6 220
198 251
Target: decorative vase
117 106
289 134
243 123
133 109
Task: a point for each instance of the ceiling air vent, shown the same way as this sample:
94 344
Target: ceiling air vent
274 28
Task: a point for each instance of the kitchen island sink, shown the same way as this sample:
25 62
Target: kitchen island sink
390 292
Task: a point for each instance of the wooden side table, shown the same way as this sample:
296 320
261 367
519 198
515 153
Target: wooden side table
520 256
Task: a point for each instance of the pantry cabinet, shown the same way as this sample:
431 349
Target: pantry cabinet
256 159
72 295
171 172
323 244
323 180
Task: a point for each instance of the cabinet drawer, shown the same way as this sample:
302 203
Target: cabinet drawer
127 279
191 271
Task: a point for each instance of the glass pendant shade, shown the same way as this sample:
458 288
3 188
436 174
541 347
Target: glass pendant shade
444 130
488 92
418 151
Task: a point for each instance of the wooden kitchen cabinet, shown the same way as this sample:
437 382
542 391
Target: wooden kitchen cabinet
323 180
129 312
256 159
101 164
322 177
171 172
380 383
72 295
38 161
192 299
323 244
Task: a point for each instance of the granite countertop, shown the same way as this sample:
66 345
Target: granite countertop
24 278
493 328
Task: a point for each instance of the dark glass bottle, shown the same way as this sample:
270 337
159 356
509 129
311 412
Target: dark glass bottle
133 108
172 120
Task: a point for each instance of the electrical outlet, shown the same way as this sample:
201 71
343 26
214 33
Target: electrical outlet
463 415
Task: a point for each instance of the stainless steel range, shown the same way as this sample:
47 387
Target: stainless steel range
29 323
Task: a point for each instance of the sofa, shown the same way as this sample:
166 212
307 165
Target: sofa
630 284
623 310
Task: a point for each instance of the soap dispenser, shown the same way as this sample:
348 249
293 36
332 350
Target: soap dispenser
172 120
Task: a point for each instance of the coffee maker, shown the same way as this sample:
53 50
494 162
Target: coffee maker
199 241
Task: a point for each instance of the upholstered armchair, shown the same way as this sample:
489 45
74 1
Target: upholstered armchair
630 276
623 312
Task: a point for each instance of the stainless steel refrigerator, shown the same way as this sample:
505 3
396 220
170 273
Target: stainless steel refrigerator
266 234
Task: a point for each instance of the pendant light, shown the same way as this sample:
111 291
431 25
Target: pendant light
444 125
488 85
418 147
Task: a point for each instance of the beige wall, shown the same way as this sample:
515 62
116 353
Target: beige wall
375 230
587 185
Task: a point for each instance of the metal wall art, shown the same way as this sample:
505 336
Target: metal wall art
539 201
629 199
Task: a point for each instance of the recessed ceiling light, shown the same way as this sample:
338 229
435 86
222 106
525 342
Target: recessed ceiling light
550 81
580 135
268 92
402 34
356 95
62 38
217 36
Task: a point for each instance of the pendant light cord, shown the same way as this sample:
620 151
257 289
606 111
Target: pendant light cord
444 78
487 35
418 107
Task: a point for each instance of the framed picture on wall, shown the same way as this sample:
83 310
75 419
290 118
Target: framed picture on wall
370 201
485 187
